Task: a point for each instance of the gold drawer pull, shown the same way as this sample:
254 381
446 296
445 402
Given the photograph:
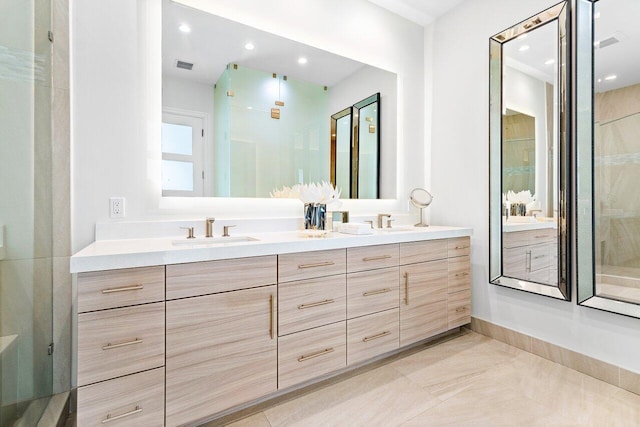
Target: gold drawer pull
462 274
406 288
110 346
123 289
539 256
461 309
379 291
272 328
121 416
375 337
541 237
318 264
315 304
316 354
376 258
461 247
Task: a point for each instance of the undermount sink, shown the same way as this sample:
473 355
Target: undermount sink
213 241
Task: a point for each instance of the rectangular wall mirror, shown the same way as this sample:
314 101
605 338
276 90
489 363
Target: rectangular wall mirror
608 155
529 155
246 112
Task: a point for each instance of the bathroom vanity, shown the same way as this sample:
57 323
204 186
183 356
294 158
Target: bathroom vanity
172 334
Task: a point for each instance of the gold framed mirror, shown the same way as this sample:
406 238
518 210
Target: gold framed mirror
529 155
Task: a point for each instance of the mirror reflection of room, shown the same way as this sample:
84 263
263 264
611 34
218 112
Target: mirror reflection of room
617 150
252 113
529 155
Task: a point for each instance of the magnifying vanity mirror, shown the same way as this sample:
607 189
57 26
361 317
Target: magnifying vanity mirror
420 198
608 155
246 112
529 155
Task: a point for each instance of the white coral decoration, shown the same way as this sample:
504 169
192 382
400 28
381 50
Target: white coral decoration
524 197
324 193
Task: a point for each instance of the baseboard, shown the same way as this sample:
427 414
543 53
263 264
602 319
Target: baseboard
595 368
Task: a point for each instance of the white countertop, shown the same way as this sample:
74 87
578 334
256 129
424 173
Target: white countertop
127 253
510 227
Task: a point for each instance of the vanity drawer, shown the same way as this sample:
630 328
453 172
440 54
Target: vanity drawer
311 354
120 341
515 239
134 400
307 265
514 262
429 250
459 309
540 276
460 246
545 235
210 277
372 257
539 257
310 303
372 335
372 291
100 290
459 274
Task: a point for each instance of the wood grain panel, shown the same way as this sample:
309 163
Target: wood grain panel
459 274
540 256
372 291
514 262
515 239
307 304
459 309
372 257
545 235
201 278
460 246
423 300
309 354
308 265
100 290
372 335
120 341
138 399
428 250
220 352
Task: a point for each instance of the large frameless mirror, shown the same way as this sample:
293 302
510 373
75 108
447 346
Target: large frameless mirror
608 155
528 153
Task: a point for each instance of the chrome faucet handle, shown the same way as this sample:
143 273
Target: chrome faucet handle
370 222
225 230
208 226
189 232
389 222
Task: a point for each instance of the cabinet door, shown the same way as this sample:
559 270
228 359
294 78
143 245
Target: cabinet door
221 352
423 300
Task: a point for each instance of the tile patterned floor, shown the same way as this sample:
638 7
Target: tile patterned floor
470 380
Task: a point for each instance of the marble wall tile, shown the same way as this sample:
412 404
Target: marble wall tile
60 53
617 103
499 333
62 320
61 179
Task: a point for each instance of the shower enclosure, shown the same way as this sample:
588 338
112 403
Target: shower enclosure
25 211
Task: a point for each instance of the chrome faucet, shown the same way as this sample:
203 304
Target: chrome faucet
381 217
208 227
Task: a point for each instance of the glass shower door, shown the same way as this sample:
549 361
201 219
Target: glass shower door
25 211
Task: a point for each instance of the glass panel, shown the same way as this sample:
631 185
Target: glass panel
177 175
368 152
25 211
343 155
177 139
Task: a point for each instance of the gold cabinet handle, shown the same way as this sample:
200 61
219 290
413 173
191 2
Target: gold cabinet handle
541 237
461 247
538 257
376 258
123 289
316 354
461 309
121 416
110 346
315 304
527 261
375 337
377 292
272 316
406 288
317 264
462 274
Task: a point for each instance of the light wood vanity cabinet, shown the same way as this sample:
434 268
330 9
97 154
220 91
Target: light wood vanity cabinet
238 330
531 255
121 340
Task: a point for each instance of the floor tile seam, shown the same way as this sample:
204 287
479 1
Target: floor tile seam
266 417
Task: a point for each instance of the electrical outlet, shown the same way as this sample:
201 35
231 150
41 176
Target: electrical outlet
116 207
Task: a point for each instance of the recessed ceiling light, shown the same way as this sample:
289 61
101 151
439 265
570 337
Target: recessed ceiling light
596 15
611 77
302 60
549 61
249 46
523 48
522 36
184 28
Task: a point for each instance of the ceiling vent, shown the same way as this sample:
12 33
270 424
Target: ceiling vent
606 42
184 65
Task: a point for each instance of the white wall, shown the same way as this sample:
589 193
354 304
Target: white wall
116 99
458 45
